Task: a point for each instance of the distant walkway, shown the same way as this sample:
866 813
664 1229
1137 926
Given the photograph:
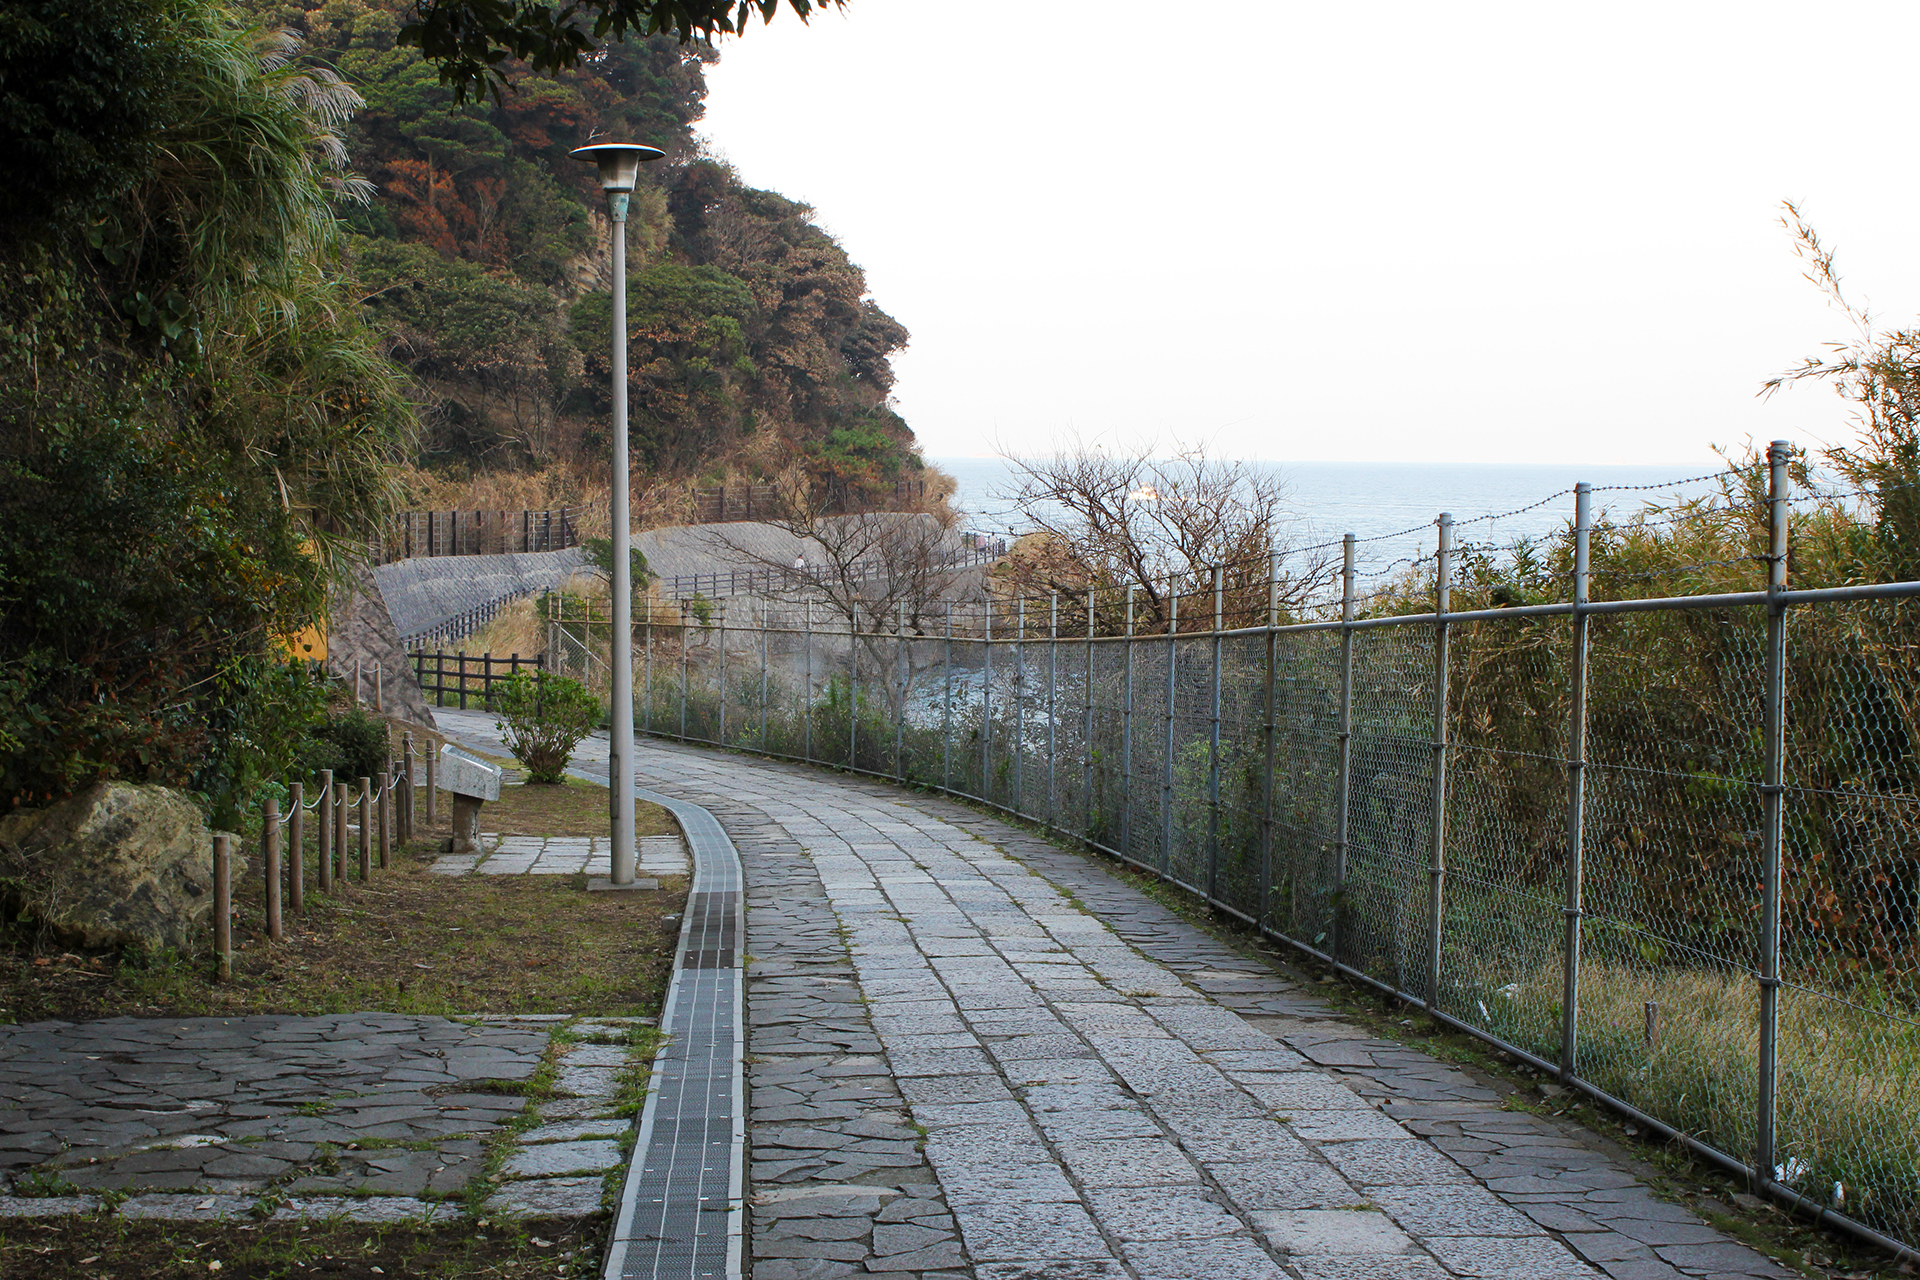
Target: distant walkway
972 1054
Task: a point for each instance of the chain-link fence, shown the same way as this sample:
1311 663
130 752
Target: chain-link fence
1668 848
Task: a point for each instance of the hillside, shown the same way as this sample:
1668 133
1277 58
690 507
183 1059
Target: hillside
482 255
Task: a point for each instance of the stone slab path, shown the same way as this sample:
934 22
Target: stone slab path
561 856
972 1054
370 1117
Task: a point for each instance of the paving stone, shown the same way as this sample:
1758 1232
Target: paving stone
1161 1213
1327 1231
176 1208
47 1206
557 1159
546 1198
1366 1266
1531 1258
1229 1258
378 1210
1453 1209
1008 1230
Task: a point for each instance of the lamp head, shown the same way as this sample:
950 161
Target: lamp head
619 162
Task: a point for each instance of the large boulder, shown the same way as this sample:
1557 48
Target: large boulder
117 865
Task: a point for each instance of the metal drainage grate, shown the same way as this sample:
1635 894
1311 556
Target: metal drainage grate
681 1210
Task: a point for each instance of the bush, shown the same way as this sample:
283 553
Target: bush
543 720
351 743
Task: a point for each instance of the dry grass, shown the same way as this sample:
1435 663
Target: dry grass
1849 1095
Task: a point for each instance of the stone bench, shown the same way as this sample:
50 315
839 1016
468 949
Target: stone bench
473 782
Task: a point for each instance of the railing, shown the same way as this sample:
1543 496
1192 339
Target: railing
769 581
470 675
725 503
479 533
463 624
1665 849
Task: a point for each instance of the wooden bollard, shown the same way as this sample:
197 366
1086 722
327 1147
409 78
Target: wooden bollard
366 830
342 810
432 804
377 692
323 845
270 857
406 788
223 904
386 819
296 831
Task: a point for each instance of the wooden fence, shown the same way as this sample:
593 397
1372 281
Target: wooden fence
461 675
479 533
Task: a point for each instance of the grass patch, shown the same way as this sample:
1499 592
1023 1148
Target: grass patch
406 942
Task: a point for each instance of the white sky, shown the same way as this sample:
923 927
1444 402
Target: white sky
1399 231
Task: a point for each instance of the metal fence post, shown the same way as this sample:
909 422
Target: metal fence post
806 694
1053 678
1086 740
761 607
1213 746
853 688
946 708
721 692
900 716
1779 453
1437 870
685 614
1166 769
986 698
1343 769
647 670
1126 735
1576 779
1020 708
1267 743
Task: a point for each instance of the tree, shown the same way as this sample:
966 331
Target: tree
470 40
1108 520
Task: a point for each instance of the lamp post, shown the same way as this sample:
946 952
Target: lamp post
619 168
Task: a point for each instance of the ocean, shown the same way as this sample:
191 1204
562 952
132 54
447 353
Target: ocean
1392 506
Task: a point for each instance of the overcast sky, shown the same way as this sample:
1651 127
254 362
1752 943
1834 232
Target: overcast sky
1406 231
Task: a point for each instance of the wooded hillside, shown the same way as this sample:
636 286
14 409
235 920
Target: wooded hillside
483 255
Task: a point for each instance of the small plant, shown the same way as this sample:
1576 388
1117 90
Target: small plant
543 720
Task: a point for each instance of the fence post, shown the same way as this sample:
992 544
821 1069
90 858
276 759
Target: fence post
646 720
433 788
357 681
296 832
270 858
223 904
1267 743
946 705
1343 778
323 842
406 792
806 694
1576 780
1086 752
366 829
1126 736
1053 678
1020 707
1437 835
853 686
342 810
906 677
685 613
1166 770
986 698
761 607
1772 797
1213 745
386 819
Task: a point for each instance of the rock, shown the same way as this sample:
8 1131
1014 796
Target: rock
120 864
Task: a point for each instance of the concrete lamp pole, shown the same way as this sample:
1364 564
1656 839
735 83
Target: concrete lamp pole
619 169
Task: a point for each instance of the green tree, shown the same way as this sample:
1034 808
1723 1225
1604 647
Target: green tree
543 720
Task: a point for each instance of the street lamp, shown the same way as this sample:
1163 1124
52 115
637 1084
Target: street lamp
619 168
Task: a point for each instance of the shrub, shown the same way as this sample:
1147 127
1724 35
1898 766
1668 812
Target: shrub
351 743
543 720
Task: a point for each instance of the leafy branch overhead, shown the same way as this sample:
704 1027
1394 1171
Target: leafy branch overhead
470 41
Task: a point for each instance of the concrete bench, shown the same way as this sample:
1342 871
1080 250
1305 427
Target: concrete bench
473 782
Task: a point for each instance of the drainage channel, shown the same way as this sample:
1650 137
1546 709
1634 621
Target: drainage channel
682 1209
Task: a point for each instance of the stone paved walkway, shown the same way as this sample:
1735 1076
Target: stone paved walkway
561 856
369 1116
973 1054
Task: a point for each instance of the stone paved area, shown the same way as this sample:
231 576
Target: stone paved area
973 1054
375 1117
561 856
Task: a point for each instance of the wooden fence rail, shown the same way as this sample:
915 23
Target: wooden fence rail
462 675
